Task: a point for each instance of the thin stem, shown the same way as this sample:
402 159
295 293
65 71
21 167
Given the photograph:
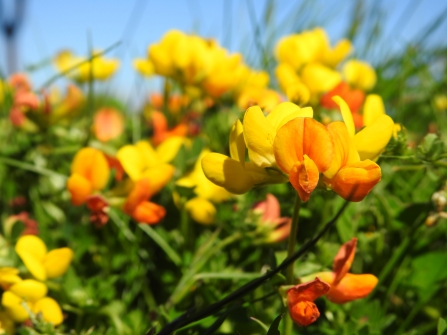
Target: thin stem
292 238
290 280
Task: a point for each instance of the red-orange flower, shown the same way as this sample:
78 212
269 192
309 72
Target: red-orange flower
139 207
108 124
353 97
161 129
346 286
300 300
303 148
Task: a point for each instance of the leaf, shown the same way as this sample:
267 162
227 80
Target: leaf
273 330
442 326
161 243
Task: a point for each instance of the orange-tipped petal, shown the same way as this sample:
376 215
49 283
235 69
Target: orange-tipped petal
148 212
140 193
304 177
343 260
272 210
91 164
159 176
344 148
80 188
354 182
280 233
352 287
309 291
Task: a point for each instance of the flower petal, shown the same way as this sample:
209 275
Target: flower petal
227 173
372 140
159 176
372 109
259 136
304 313
237 142
343 260
201 210
13 306
352 287
345 152
57 261
91 164
285 112
80 188
140 193
346 113
304 177
309 291
131 161
148 212
354 182
29 289
50 310
32 250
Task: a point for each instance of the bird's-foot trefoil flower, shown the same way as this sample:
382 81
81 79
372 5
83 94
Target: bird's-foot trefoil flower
89 173
344 286
300 301
40 262
303 148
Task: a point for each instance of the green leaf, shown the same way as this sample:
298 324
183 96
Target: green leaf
442 326
273 330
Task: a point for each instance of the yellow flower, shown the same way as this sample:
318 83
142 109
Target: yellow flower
144 67
440 102
42 264
257 135
98 68
379 127
143 161
359 75
33 294
201 207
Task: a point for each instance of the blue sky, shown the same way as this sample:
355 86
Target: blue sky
52 25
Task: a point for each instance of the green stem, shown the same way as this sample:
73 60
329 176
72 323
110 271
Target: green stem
185 227
292 239
290 280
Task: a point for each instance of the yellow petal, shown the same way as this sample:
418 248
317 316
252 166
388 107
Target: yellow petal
131 161
13 306
144 66
92 165
372 109
57 261
159 176
147 153
285 112
50 310
32 251
201 210
237 142
372 140
259 136
346 113
169 148
319 78
29 289
227 173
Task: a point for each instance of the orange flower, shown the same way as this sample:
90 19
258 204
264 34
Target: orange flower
353 97
278 228
138 206
108 124
303 148
300 300
346 286
89 173
175 102
161 131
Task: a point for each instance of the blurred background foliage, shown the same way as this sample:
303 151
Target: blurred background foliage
127 278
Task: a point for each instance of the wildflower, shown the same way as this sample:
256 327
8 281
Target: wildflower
201 207
82 70
353 97
276 228
98 207
344 286
33 294
303 148
65 106
89 173
139 207
142 161
359 75
108 124
300 301
161 131
42 264
144 67
264 98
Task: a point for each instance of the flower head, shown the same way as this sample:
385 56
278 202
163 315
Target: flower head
300 300
108 124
